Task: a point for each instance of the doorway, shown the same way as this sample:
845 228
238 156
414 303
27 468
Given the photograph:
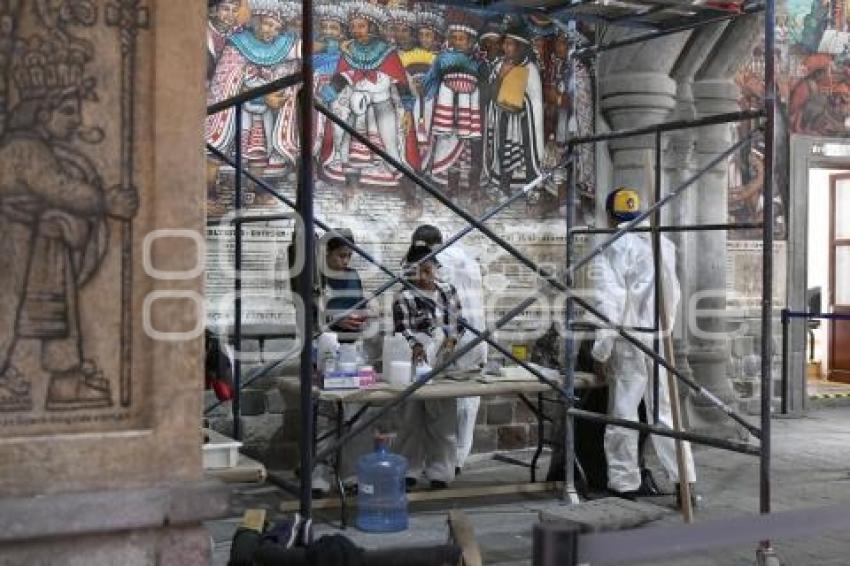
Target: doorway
838 332
827 351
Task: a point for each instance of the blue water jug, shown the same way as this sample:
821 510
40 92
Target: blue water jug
381 497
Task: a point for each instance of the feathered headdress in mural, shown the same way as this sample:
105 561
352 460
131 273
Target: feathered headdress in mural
463 20
375 14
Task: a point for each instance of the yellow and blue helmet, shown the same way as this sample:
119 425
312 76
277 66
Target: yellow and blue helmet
623 204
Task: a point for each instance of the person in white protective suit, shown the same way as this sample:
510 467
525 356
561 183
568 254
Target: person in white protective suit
460 269
428 320
624 279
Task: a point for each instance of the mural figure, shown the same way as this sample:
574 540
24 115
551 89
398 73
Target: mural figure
453 84
223 22
556 91
417 62
370 90
490 42
53 223
513 141
332 19
253 57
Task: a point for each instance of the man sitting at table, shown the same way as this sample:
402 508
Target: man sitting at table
340 290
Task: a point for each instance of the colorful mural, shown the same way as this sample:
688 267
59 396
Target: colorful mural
478 103
813 48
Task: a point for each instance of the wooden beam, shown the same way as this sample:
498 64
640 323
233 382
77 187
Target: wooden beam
462 533
449 494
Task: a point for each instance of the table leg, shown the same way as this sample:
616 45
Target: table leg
540 429
340 430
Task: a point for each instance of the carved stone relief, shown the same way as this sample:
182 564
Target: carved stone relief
69 195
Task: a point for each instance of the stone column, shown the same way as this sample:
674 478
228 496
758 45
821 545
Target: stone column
679 166
100 359
709 356
636 90
715 92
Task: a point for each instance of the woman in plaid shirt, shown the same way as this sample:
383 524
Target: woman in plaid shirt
429 317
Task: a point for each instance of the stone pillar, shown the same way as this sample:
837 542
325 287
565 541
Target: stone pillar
679 166
715 92
100 355
636 90
709 347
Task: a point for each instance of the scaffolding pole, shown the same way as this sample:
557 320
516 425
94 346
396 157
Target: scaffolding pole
304 201
767 261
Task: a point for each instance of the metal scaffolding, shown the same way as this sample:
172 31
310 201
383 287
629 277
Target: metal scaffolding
659 18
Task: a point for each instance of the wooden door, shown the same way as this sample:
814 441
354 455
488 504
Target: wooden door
839 277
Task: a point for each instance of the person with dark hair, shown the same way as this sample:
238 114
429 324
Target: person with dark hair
460 270
340 287
339 290
428 319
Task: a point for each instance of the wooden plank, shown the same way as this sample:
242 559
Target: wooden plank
254 519
246 470
462 533
449 494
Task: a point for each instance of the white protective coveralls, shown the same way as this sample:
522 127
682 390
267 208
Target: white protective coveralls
428 437
624 280
460 268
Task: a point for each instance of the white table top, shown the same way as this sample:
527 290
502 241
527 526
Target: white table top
441 388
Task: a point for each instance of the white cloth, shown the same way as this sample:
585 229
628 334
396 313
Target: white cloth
462 270
428 438
428 433
624 280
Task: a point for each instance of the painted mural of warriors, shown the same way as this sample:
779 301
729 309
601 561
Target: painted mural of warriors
401 26
371 91
267 51
556 90
543 36
223 22
513 137
332 20
53 226
453 84
542 31
490 42
417 61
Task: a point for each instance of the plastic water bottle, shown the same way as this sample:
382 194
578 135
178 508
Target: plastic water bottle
381 496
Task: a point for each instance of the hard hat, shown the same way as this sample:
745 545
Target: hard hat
623 204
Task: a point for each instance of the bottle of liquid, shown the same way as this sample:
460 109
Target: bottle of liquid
381 495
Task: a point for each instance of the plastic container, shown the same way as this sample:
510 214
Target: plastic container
381 496
421 371
396 349
220 451
327 352
367 376
399 373
348 354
